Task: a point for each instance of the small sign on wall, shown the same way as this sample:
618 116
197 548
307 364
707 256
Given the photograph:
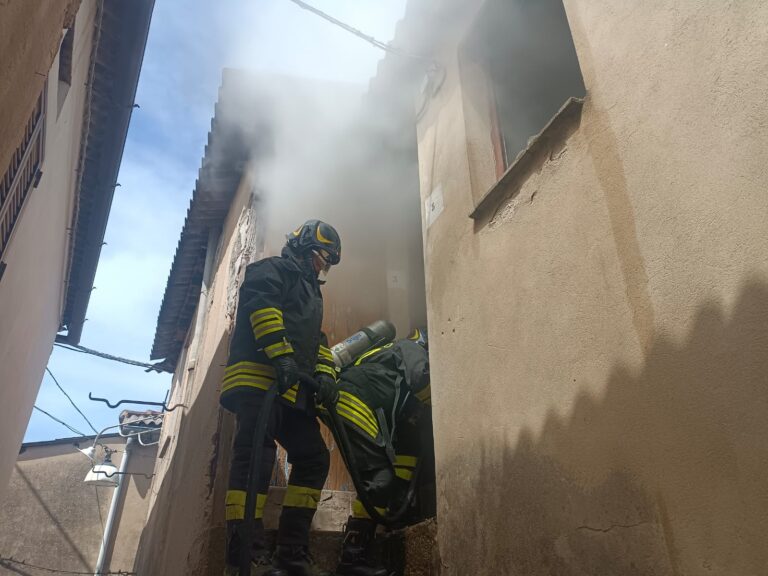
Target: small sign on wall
433 205
396 279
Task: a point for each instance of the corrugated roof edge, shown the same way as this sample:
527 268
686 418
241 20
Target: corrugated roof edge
221 171
71 440
121 45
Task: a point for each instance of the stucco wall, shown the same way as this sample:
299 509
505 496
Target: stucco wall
51 518
31 289
599 346
191 468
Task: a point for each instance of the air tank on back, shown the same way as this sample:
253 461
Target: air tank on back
376 334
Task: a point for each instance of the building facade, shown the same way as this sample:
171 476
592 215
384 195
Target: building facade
593 180
69 75
591 183
51 519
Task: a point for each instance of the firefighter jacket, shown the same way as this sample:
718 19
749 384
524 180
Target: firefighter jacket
280 311
381 385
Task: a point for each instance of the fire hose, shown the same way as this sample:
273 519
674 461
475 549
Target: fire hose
248 527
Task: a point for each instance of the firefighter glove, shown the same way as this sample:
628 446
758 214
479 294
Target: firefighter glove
327 390
286 372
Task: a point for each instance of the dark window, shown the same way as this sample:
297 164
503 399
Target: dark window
23 172
65 65
527 50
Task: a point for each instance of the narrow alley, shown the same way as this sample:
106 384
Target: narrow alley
403 288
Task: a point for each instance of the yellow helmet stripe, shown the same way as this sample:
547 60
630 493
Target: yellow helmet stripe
322 238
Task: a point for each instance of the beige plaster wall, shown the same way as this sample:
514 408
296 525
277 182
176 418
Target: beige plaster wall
31 290
51 518
598 346
188 484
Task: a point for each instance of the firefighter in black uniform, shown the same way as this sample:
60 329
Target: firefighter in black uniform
277 336
384 401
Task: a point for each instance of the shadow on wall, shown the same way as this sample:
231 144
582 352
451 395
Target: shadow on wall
53 518
176 539
663 475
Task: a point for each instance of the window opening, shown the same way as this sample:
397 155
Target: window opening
65 66
527 52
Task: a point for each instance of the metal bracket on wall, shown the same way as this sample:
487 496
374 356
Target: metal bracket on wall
140 402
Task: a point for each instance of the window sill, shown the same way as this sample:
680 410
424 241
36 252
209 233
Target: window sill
559 128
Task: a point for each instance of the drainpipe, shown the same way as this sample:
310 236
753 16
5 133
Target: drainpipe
116 498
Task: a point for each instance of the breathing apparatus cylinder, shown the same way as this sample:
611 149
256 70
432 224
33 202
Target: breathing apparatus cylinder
377 334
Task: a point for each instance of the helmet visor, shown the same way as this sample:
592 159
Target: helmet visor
322 261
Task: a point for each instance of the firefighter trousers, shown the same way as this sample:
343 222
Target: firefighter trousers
299 434
384 482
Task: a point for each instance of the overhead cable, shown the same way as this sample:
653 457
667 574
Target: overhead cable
92 352
10 560
52 417
70 400
362 35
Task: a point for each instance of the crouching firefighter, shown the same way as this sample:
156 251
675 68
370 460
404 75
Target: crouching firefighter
278 335
382 402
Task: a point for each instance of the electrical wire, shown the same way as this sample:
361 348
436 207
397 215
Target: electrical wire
52 417
104 355
5 560
362 35
98 507
70 400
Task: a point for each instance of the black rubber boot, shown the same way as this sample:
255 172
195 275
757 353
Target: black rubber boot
357 554
294 561
260 565
260 557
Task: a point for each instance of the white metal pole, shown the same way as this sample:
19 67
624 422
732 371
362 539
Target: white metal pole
116 497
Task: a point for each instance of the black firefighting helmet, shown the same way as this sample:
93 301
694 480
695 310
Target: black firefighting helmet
419 335
317 236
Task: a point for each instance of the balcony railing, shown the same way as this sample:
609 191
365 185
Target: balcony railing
23 172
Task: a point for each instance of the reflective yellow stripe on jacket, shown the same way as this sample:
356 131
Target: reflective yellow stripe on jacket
325 363
356 411
275 350
325 370
248 374
266 321
372 352
291 393
324 353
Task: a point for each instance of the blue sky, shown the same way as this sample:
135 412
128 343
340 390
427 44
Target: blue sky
190 42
